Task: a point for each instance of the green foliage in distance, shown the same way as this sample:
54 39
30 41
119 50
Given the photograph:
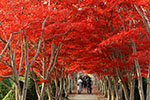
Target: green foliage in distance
3 89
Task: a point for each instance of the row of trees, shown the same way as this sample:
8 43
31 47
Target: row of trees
32 35
124 54
51 40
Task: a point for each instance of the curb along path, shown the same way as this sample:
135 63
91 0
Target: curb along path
85 96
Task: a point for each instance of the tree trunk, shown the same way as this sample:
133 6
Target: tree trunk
138 70
140 84
125 90
120 93
112 94
66 86
110 88
108 94
116 89
123 84
49 93
132 89
105 89
42 93
148 85
70 83
100 87
57 87
59 95
17 93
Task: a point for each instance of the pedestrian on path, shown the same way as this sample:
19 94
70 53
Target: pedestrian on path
79 85
89 85
84 81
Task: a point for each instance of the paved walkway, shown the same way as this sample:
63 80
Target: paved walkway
85 96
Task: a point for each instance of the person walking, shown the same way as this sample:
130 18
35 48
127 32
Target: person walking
79 85
89 85
84 81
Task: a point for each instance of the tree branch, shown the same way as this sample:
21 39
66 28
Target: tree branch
6 46
7 86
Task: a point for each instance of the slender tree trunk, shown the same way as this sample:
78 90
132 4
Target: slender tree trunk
44 86
73 82
123 85
70 85
99 85
60 90
132 82
138 70
96 82
67 86
16 75
25 86
112 91
106 88
108 94
59 84
125 90
41 93
148 85
110 88
120 93
112 94
60 93
140 84
116 88
37 89
56 86
17 93
132 89
49 93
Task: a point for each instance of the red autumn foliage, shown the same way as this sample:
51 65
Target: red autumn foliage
96 35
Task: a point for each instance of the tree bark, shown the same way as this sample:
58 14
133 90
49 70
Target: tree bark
17 93
110 88
148 85
105 89
116 88
138 70
120 93
108 94
122 84
132 89
50 92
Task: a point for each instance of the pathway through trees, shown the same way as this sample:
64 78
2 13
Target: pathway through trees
96 95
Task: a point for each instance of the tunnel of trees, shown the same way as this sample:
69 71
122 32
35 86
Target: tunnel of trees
45 43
